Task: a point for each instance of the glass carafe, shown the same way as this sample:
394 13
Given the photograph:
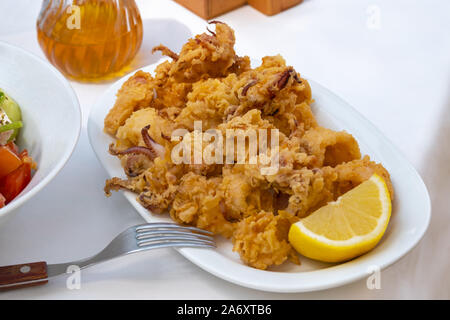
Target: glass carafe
90 39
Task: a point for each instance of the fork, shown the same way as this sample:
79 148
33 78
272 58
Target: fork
134 239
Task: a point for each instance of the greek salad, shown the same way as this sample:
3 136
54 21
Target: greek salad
15 164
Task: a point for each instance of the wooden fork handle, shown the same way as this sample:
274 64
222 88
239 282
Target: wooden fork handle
23 275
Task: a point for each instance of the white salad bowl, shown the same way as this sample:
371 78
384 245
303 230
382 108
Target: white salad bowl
410 215
51 116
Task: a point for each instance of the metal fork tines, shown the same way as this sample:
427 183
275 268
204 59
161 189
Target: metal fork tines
169 234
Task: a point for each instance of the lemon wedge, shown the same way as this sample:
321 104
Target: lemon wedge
346 228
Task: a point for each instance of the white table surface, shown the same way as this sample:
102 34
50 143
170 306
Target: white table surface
397 75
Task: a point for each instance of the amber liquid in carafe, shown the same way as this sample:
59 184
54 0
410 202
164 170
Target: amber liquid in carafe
96 44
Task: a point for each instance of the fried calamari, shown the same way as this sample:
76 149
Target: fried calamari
208 82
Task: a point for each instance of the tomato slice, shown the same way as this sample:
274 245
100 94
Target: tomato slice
9 161
23 154
2 201
13 183
13 147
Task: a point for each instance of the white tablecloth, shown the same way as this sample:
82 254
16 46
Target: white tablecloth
389 59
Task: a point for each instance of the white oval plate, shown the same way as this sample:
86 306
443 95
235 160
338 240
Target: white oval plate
410 218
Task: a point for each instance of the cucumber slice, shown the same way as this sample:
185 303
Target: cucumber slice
12 110
10 126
